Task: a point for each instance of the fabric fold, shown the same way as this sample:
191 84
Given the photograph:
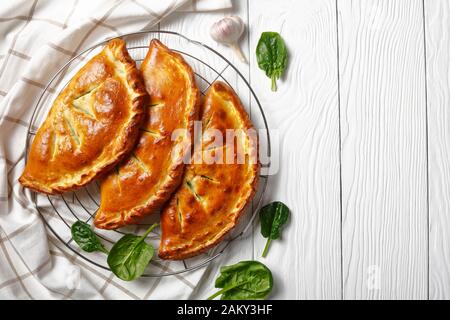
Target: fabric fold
39 38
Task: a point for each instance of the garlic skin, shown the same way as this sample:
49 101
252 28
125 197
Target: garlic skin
228 31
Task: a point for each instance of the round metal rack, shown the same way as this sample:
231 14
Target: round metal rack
59 212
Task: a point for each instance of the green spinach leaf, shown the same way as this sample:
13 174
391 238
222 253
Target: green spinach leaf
130 256
246 280
272 56
273 216
85 237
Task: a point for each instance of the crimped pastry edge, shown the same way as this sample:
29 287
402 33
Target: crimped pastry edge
175 175
180 253
125 143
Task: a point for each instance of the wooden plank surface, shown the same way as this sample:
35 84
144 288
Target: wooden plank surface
374 142
304 111
437 32
196 26
384 168
361 144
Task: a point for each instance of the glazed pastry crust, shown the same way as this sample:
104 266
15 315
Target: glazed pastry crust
148 177
213 195
92 125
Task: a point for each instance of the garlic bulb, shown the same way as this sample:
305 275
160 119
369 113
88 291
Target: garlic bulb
228 31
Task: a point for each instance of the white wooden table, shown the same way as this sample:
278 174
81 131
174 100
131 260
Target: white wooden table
364 121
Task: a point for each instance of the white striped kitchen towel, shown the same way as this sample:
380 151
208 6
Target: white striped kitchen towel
37 38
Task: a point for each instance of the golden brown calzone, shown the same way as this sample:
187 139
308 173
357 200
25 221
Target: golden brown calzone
148 177
91 126
217 185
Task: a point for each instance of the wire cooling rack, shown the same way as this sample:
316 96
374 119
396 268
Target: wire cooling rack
61 211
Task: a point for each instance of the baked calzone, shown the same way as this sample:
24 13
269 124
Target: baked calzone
147 178
218 184
93 123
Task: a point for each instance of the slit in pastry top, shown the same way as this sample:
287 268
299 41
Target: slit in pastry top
92 125
147 178
213 194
